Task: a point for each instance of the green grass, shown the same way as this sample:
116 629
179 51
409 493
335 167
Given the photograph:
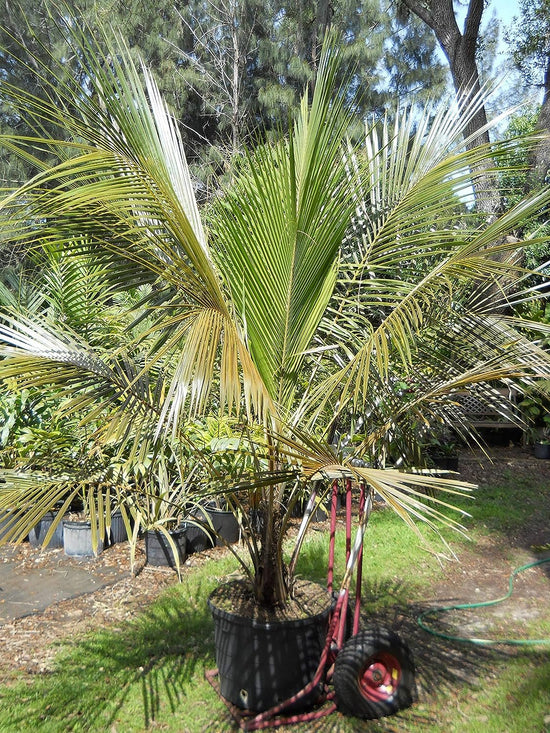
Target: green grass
504 507
149 673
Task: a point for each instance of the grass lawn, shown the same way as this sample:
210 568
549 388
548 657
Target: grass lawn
149 674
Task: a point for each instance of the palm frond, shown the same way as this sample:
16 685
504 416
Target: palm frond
412 273
414 496
124 184
279 228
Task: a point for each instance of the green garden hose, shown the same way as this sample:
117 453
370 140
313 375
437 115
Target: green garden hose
469 606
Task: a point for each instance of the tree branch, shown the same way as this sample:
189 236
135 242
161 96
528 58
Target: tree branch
472 24
421 10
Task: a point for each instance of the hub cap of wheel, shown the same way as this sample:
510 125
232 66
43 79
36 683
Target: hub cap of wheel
380 678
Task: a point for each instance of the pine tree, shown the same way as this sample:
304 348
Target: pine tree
530 42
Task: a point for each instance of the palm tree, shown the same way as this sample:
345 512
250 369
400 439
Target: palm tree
330 289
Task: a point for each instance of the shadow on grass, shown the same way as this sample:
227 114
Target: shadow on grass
516 506
443 665
145 665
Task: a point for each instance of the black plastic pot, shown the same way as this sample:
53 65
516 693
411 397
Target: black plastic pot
261 664
158 551
40 530
117 531
322 511
446 461
77 539
542 450
8 519
197 538
5 522
225 524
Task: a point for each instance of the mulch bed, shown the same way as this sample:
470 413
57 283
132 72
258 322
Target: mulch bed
29 643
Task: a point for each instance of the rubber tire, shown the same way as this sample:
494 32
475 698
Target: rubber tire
355 657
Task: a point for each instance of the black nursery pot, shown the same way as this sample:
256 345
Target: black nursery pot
41 528
225 524
261 664
542 450
117 531
197 538
448 462
158 551
6 521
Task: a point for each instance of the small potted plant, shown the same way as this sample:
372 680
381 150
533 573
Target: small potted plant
442 451
228 456
158 492
534 410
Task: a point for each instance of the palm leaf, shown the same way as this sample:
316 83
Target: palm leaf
380 318
279 228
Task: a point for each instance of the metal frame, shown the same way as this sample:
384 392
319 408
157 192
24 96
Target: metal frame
281 714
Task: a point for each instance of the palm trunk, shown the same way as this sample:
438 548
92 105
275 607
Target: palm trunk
271 588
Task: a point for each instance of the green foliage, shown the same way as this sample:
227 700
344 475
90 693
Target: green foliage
535 407
23 414
529 40
516 163
416 75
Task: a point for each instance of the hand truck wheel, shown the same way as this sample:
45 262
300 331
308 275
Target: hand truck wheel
374 674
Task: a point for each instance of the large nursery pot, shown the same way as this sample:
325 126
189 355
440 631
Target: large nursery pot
158 551
41 528
6 521
262 659
224 523
542 450
197 538
117 531
77 539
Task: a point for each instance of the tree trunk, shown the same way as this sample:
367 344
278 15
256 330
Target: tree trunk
235 79
323 16
460 51
540 163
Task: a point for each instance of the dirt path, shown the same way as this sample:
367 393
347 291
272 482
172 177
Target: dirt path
28 642
483 572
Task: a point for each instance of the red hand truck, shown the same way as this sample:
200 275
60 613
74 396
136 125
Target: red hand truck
366 673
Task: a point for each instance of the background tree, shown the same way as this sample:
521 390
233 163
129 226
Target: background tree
216 60
460 48
26 26
229 68
415 74
529 37
392 56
